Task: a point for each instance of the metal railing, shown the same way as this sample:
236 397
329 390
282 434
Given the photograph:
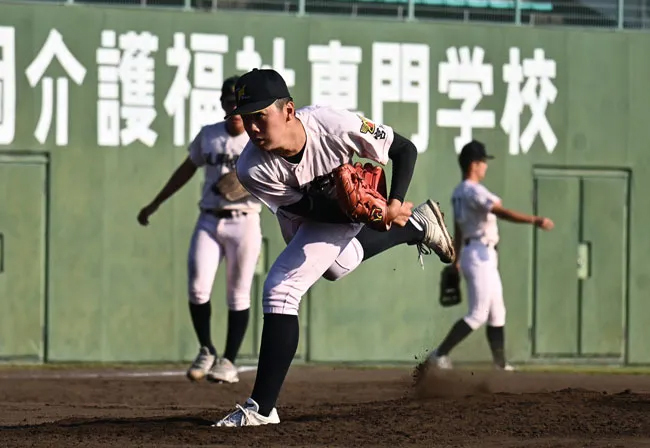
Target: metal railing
613 14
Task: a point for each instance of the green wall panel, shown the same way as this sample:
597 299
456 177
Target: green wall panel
117 291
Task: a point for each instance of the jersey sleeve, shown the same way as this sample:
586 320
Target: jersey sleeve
480 198
368 139
265 187
194 149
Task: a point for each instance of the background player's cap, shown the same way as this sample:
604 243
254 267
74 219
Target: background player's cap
473 151
228 89
257 90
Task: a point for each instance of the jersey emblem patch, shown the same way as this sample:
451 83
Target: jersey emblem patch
367 126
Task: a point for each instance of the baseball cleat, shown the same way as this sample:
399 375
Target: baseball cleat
436 237
506 368
201 365
223 371
441 362
248 415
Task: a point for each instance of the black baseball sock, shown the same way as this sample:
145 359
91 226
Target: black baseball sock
458 332
280 334
201 320
237 324
496 340
375 242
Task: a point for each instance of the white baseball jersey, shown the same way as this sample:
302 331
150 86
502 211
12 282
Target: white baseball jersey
472 203
333 137
218 151
314 249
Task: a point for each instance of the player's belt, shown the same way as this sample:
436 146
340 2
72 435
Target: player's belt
469 240
225 214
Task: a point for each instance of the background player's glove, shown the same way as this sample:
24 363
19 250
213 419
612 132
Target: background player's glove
361 194
230 188
450 286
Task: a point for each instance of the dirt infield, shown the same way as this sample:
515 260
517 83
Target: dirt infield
324 406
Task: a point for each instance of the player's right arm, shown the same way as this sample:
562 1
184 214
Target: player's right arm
178 179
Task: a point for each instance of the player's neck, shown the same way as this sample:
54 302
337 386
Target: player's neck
472 178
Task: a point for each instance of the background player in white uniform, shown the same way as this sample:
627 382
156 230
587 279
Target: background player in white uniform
224 228
288 165
475 215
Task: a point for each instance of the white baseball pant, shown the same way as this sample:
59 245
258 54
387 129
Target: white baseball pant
314 250
479 265
239 239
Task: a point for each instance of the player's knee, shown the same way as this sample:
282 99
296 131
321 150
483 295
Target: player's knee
346 262
280 296
198 297
239 302
476 320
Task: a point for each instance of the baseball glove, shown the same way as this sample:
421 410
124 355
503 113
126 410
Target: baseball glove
230 188
450 286
361 194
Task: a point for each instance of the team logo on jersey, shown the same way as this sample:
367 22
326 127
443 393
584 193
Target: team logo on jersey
367 126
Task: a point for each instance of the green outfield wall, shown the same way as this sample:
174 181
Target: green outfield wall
97 106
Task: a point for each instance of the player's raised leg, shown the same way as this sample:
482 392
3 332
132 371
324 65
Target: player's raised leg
204 256
308 255
425 228
242 242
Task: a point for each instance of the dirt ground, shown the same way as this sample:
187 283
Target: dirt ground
326 406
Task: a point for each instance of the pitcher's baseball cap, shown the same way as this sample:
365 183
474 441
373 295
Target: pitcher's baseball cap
257 90
473 151
228 89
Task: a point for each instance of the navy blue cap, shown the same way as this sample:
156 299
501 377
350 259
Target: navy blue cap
257 90
228 88
473 151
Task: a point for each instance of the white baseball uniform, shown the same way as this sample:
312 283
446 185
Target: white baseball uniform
237 237
478 258
314 249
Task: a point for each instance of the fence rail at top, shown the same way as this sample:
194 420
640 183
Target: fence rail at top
621 14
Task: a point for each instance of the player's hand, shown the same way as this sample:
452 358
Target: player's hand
545 223
398 212
145 213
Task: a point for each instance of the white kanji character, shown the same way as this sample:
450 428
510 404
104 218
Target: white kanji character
180 57
538 72
108 93
465 77
335 76
247 59
7 84
400 73
137 82
54 47
205 103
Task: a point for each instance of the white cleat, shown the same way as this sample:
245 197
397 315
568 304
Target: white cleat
223 371
441 362
201 365
436 237
506 368
248 415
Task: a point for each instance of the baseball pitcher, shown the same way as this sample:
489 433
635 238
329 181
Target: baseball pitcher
332 214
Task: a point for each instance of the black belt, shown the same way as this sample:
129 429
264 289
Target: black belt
469 240
225 214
